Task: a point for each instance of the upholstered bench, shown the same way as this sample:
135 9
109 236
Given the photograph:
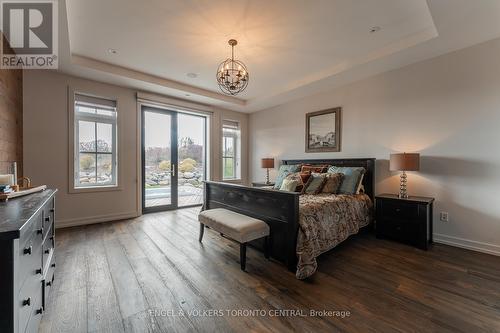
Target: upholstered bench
238 227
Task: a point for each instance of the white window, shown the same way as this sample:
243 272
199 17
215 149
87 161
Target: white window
230 150
95 160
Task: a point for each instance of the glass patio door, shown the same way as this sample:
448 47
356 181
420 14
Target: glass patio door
174 159
159 160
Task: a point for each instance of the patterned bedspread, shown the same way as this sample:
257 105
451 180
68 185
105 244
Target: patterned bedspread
325 221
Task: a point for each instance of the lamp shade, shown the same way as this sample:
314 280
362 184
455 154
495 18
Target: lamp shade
267 163
405 162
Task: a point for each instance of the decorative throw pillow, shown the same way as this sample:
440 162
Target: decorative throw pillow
298 177
284 171
352 178
315 183
332 183
289 185
304 176
314 168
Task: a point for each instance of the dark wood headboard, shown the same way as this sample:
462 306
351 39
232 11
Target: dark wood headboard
367 163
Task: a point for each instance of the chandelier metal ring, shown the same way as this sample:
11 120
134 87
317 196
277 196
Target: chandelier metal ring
232 75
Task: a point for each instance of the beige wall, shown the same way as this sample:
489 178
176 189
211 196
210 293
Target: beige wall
446 108
46 146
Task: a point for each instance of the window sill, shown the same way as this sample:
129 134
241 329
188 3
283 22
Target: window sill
110 188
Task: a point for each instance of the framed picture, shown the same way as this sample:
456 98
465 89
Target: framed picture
323 131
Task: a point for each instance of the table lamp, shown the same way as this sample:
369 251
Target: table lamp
404 162
267 163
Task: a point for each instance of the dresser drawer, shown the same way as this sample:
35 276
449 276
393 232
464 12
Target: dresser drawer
29 299
48 218
47 248
34 227
399 210
48 282
30 259
404 231
36 314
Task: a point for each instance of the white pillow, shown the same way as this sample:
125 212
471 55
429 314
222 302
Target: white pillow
289 185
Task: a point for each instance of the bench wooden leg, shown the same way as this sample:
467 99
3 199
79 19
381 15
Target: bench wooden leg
266 247
243 255
202 230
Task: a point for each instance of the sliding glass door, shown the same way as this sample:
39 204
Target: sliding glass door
173 159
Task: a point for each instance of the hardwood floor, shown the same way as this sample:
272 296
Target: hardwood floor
133 275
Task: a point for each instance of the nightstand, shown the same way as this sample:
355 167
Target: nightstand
262 184
406 220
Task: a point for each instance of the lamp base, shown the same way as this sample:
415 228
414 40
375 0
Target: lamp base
403 180
267 176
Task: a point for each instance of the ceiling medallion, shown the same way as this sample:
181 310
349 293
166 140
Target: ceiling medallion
232 75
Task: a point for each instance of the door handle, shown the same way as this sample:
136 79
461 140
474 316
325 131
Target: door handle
173 170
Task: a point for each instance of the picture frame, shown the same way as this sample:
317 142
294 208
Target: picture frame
323 131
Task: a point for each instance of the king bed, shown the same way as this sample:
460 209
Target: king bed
302 226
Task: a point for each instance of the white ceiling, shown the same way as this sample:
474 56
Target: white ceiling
292 48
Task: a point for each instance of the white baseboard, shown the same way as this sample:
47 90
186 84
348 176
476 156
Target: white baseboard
66 223
468 244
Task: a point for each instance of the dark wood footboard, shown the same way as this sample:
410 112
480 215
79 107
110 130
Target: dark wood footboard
280 210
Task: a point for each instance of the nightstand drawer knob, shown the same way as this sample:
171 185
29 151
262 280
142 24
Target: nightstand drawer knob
27 302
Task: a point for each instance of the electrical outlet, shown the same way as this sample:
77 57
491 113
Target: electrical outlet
443 216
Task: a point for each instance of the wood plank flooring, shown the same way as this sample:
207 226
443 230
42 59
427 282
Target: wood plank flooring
141 275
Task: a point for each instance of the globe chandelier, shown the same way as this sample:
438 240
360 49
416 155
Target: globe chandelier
232 75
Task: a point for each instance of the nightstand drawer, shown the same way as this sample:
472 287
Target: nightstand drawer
403 231
399 210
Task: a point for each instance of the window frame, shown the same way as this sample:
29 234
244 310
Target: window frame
235 136
96 119
74 149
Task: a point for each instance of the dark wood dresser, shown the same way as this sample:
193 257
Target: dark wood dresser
27 260
406 220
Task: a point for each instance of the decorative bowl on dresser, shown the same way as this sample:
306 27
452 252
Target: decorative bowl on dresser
408 220
27 259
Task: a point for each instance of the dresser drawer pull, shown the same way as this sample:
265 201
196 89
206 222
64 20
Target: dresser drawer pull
38 271
27 302
28 250
39 311
53 265
48 284
52 210
47 251
39 231
47 219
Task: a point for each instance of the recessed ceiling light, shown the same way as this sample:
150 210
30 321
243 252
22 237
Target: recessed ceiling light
374 29
192 75
112 51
